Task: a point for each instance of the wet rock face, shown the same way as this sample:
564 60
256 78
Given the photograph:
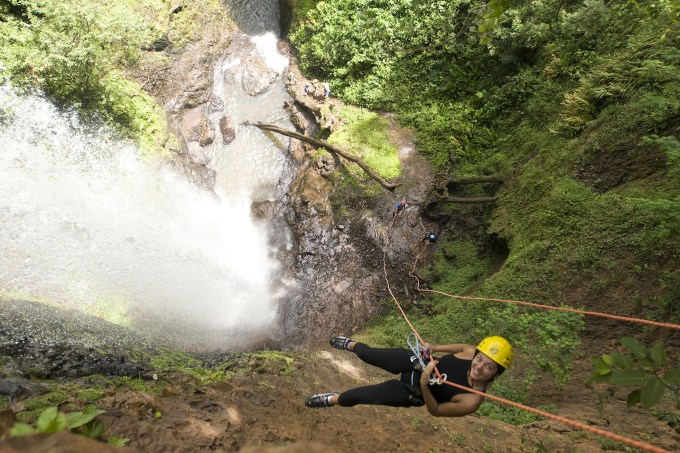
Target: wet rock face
46 342
198 131
338 265
337 289
227 130
256 76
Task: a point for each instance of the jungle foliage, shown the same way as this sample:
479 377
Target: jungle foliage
83 54
575 104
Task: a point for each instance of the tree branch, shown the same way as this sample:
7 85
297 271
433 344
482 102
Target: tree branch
323 144
471 200
477 179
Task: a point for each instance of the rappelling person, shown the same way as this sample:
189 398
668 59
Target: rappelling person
431 238
464 364
400 207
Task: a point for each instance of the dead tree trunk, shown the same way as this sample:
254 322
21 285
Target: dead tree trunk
472 200
323 144
477 179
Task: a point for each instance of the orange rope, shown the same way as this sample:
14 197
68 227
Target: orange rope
547 307
387 281
570 310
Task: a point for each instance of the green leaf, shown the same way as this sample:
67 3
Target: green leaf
647 365
51 421
117 441
626 362
77 419
635 347
599 378
608 359
97 429
652 392
602 369
46 417
672 376
616 359
22 429
658 353
626 378
633 398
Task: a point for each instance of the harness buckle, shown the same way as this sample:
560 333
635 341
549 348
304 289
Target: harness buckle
437 380
415 360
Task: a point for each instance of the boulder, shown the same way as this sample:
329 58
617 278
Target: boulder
256 77
227 129
198 132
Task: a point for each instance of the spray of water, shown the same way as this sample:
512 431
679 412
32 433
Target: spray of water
88 223
85 221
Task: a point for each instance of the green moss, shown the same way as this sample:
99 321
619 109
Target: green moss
33 406
366 135
153 387
174 360
89 395
278 362
188 24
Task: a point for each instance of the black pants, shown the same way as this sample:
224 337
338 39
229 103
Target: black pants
398 393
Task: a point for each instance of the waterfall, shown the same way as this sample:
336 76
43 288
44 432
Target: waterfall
87 222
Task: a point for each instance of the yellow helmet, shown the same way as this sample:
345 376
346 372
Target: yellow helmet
497 349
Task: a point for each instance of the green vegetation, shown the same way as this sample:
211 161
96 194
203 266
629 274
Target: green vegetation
647 369
52 421
78 53
300 10
269 362
85 53
365 134
35 405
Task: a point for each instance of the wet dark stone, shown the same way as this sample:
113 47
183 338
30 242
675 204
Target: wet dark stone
9 388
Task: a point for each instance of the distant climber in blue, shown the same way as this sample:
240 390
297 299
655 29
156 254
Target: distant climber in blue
400 207
431 238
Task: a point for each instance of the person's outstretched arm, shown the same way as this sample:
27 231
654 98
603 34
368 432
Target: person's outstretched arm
451 348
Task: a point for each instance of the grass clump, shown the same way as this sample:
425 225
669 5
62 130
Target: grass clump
366 135
33 406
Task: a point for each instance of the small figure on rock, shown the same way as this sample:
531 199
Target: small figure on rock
463 364
326 90
400 207
431 238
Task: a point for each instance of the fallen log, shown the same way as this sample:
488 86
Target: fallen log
477 179
471 200
334 149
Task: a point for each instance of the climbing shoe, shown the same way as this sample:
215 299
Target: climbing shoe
320 400
341 343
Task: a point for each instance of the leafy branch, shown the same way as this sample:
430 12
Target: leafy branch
646 369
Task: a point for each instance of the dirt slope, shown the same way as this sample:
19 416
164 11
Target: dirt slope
266 408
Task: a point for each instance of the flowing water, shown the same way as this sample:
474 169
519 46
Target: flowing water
89 223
